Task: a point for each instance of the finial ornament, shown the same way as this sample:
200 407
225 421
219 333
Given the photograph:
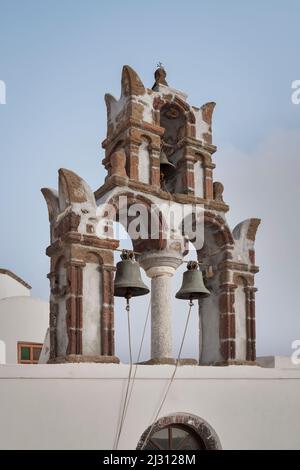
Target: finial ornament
160 76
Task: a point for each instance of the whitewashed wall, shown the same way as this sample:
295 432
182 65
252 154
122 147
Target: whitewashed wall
22 319
76 406
92 302
10 287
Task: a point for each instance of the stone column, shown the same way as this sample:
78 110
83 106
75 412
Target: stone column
250 322
160 268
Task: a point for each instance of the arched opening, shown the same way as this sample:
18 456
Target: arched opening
180 309
180 431
173 120
217 242
139 311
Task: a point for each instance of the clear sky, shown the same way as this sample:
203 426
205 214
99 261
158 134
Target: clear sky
59 57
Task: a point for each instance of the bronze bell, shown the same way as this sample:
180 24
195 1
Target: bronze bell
166 166
192 284
128 281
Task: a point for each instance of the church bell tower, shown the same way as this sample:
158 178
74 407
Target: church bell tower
158 152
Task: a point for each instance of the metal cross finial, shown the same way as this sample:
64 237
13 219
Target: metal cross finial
160 65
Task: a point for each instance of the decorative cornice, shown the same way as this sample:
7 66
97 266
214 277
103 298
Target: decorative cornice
114 181
80 239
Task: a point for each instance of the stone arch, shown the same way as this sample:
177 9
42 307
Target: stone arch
198 425
175 118
213 255
153 220
169 100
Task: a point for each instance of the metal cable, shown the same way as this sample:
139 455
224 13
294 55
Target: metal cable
116 443
135 371
171 378
138 358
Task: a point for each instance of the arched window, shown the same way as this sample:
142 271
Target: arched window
175 437
181 431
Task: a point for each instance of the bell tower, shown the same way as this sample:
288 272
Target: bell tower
152 130
159 149
81 323
158 156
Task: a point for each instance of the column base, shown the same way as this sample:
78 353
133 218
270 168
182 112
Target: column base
77 358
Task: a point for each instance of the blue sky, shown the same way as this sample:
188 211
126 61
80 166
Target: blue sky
59 58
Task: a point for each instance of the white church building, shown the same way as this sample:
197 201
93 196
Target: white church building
159 159
23 321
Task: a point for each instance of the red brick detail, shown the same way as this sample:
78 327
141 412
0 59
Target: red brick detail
208 183
252 256
227 330
107 313
69 223
250 323
133 162
52 328
74 309
227 326
227 349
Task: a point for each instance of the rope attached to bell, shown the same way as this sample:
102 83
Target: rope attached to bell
191 304
129 376
192 288
128 284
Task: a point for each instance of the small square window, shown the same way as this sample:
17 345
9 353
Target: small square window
25 353
29 353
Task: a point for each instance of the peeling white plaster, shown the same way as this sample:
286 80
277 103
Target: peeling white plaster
198 176
240 323
144 162
147 101
91 309
201 126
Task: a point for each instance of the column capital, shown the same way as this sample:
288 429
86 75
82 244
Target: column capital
160 263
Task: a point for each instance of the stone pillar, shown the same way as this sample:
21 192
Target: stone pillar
208 168
160 268
107 317
227 321
161 325
250 322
